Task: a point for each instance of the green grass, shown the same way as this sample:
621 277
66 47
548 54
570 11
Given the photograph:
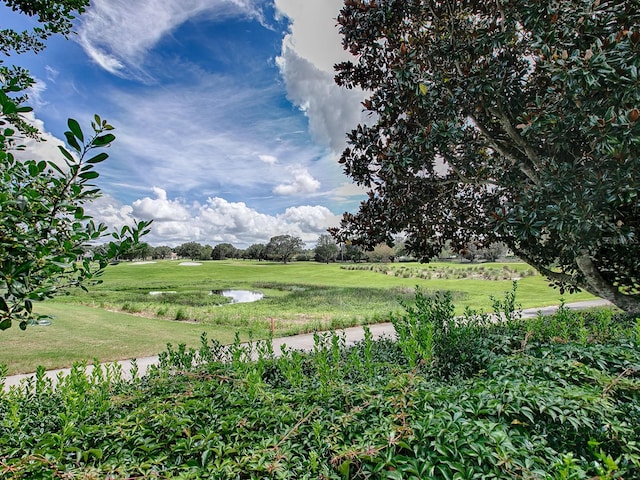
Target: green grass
80 333
119 318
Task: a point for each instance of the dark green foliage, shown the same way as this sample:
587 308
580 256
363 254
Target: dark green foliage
526 402
502 121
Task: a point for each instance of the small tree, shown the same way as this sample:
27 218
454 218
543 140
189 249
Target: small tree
190 250
501 121
494 251
45 229
326 249
161 252
255 251
284 247
354 252
223 251
381 254
45 232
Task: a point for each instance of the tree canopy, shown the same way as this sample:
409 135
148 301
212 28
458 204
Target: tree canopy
326 249
512 121
45 230
283 247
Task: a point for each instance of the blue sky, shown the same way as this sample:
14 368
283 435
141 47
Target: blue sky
228 123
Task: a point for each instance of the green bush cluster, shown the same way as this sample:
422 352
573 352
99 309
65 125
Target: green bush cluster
450 398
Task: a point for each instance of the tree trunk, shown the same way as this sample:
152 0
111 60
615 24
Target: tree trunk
597 285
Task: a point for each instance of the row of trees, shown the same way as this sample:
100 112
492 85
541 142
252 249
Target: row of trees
286 248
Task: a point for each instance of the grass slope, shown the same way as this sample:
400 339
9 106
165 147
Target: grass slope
120 319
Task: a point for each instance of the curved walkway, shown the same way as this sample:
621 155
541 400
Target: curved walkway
297 342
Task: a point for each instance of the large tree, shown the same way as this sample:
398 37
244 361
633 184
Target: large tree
222 251
44 229
513 121
283 247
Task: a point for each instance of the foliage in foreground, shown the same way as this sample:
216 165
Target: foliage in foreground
45 228
544 398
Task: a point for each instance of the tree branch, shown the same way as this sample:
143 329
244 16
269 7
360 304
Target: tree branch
550 274
597 285
528 171
515 135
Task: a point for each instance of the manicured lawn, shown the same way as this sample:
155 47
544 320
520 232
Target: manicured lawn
120 319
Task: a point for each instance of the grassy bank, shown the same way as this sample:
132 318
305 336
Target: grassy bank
121 319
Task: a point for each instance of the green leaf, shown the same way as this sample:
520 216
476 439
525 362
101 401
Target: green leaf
394 475
23 325
5 323
3 305
104 140
74 126
71 140
89 175
101 157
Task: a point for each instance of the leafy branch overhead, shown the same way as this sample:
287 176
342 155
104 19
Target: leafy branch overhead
501 121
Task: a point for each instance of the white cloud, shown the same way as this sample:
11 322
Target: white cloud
314 34
36 93
216 221
270 159
110 211
349 190
160 208
302 182
310 218
45 148
306 62
117 34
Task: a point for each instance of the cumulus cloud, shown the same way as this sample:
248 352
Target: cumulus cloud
314 34
216 221
309 52
310 218
117 34
160 207
302 182
43 148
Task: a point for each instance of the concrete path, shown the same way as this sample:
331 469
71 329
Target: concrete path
297 342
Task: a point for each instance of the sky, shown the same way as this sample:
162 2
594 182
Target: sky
228 123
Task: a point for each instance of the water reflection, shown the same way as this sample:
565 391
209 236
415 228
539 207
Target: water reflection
242 296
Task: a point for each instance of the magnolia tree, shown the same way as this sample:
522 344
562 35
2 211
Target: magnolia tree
511 121
45 230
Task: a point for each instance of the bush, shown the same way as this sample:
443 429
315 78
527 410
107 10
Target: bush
525 403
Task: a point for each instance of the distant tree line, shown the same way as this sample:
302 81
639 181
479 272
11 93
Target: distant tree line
288 248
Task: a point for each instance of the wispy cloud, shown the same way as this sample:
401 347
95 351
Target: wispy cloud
117 34
207 138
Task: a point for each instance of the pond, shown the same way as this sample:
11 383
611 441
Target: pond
241 296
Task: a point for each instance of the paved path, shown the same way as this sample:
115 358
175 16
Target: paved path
298 342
